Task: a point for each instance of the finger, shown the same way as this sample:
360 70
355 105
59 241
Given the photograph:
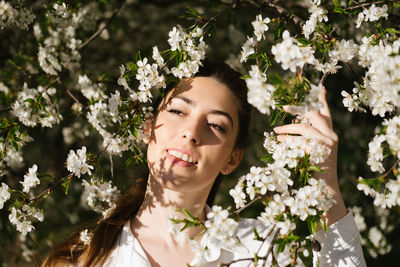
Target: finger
322 98
307 131
319 121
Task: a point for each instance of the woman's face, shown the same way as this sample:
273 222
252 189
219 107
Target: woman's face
193 135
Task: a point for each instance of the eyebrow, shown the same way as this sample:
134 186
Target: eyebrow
215 111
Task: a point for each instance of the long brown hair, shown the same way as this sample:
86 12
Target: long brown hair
107 231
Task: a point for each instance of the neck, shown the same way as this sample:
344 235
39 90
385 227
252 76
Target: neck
158 205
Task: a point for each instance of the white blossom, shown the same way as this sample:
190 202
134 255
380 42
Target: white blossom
358 218
30 179
22 108
247 49
260 93
237 193
260 26
4 194
290 54
373 13
85 237
317 14
221 228
21 17
76 162
48 60
100 195
90 90
344 51
22 218
311 101
375 154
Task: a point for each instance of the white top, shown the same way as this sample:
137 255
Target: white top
340 246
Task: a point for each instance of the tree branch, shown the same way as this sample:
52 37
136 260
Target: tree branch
284 12
213 19
236 212
101 29
370 3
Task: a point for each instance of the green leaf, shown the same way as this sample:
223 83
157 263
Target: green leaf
30 100
304 41
138 56
274 117
281 246
187 212
15 145
391 30
256 235
370 182
128 162
133 131
315 168
323 224
268 158
66 184
312 225
340 10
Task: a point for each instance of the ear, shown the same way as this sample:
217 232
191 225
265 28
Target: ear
234 161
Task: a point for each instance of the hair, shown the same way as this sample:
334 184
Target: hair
107 231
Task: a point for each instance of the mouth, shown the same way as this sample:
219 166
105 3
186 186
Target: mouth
182 156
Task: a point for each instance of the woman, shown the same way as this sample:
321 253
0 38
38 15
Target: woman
199 132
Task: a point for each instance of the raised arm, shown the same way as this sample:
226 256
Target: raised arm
320 128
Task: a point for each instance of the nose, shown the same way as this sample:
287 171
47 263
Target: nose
191 133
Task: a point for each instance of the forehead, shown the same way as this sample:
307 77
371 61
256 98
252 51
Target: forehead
208 93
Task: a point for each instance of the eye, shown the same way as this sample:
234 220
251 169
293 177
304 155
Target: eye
176 111
217 127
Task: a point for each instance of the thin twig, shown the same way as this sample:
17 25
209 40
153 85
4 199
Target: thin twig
112 166
101 29
73 97
370 3
50 189
391 169
283 12
353 72
236 212
295 255
239 260
213 19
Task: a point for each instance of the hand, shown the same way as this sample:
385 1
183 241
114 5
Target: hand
320 128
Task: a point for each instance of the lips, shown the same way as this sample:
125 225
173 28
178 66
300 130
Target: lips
182 156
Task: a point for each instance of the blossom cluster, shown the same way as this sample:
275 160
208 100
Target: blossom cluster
22 218
190 44
379 90
100 195
260 93
220 228
260 27
373 13
77 162
30 179
373 238
35 106
11 156
4 194
9 15
388 196
291 54
60 48
275 181
317 14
